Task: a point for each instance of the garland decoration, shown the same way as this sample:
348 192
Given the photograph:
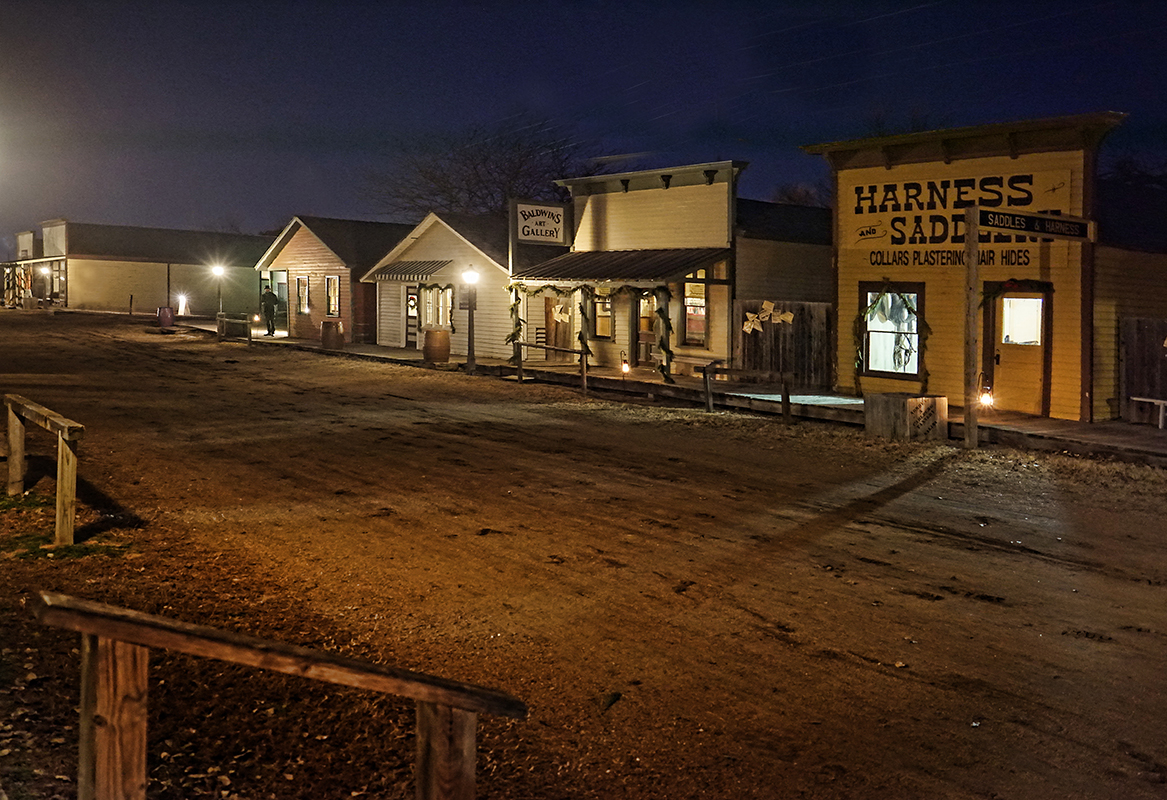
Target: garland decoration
859 331
663 296
421 287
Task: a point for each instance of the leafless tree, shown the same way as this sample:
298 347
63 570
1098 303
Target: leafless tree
478 170
803 194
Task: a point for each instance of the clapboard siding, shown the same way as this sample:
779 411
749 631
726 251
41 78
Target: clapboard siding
864 238
683 216
784 271
1128 285
306 256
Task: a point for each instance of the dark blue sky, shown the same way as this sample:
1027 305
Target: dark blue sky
203 114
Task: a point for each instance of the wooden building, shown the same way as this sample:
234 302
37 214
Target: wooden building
1050 311
420 284
315 266
660 262
130 269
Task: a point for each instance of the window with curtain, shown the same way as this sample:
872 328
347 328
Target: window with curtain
696 328
436 307
332 295
891 338
302 295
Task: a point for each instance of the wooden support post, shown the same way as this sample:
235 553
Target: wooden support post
707 371
787 377
87 753
971 279
66 489
15 453
113 720
583 371
445 752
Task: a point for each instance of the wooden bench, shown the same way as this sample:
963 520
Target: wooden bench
68 432
1155 401
115 646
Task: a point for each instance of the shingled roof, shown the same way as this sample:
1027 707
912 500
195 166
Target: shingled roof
162 245
358 243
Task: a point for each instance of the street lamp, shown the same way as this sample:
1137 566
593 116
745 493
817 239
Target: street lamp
470 276
218 271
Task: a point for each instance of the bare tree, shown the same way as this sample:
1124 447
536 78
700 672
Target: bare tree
803 194
478 170
1136 168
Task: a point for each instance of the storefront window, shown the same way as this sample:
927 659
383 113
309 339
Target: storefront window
332 294
602 314
891 339
695 322
1021 320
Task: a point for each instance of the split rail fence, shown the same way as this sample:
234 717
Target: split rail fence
115 646
22 410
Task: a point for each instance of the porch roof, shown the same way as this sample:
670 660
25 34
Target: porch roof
408 270
623 265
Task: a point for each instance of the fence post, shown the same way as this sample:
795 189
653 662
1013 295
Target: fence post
15 453
113 719
445 752
66 489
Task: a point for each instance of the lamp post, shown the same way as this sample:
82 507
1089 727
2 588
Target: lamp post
218 271
470 276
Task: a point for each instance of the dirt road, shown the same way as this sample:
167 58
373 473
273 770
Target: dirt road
692 604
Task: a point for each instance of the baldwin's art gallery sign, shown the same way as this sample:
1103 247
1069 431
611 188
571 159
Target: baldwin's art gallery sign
540 223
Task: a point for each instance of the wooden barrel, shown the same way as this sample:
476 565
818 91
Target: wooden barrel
436 346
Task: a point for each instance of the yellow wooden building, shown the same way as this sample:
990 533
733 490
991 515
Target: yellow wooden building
1050 310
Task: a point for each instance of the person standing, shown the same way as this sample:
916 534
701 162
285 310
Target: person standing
269 302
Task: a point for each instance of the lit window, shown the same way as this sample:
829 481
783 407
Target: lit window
602 314
435 307
1021 320
891 339
302 295
695 324
332 294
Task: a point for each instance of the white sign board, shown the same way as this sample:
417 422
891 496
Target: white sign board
541 223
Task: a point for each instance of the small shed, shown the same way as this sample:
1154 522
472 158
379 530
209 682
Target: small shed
315 266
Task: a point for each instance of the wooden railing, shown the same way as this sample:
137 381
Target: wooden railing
714 368
115 646
68 433
583 360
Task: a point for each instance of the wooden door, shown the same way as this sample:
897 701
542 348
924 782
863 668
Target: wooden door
411 305
1019 368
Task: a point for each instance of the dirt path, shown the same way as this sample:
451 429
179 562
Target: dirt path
693 605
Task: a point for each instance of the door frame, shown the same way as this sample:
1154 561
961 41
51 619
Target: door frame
993 291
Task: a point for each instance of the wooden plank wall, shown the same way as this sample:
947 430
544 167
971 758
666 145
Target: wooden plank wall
1144 361
802 347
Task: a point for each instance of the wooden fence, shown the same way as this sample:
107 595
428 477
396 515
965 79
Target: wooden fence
68 433
115 646
1144 367
802 346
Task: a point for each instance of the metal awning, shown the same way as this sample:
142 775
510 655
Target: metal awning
623 265
409 270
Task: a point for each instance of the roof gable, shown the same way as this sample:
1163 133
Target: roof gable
358 244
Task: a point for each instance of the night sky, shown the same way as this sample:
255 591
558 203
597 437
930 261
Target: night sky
204 114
